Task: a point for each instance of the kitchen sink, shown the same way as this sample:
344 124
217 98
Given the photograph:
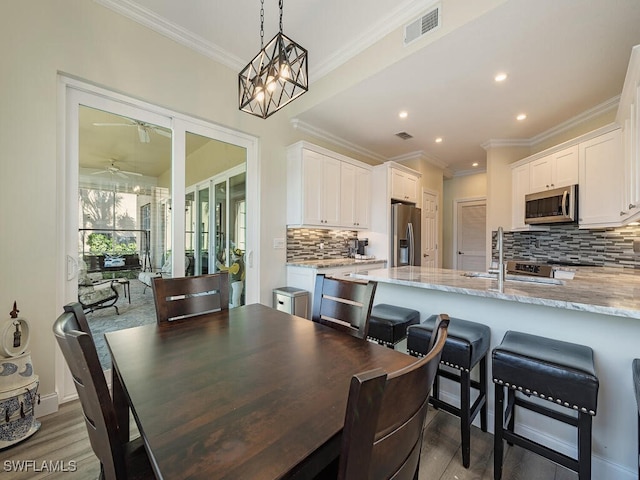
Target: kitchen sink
515 278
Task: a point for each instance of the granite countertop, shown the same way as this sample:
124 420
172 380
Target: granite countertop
333 262
605 290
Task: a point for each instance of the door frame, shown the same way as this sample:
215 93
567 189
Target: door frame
456 204
72 93
436 233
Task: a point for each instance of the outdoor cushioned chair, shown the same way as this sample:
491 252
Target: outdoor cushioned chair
96 294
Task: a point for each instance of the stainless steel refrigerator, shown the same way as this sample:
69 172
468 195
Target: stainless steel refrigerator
405 235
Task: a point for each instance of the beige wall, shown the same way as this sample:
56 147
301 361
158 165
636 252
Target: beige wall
458 188
39 39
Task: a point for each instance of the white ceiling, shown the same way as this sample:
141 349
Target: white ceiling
563 58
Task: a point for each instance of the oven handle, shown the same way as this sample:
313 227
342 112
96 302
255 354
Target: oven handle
565 207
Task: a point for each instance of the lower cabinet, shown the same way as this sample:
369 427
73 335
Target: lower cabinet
305 277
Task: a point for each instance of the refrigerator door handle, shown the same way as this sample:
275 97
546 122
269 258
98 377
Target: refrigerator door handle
411 244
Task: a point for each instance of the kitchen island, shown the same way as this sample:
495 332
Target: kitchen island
599 307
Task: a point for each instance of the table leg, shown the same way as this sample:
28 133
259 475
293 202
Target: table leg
120 405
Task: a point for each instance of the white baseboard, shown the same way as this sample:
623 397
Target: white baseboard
48 405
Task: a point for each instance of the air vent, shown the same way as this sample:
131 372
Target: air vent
426 23
404 135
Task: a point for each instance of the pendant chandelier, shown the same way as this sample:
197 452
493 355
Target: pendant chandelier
276 76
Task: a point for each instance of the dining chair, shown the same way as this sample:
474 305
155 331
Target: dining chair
118 461
343 304
185 297
385 416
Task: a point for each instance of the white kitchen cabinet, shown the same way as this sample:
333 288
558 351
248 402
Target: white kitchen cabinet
404 186
520 186
355 196
600 186
554 171
325 189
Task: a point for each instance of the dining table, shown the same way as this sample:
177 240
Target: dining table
244 393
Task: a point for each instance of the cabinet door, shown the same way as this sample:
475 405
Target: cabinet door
541 174
331 191
565 167
397 185
411 188
601 184
312 186
519 188
362 197
348 195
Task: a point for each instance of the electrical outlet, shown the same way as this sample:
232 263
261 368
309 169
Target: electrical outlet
321 245
278 243
636 246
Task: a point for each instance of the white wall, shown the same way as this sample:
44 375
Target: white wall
39 39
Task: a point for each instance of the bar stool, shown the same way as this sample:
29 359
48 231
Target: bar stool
467 345
388 323
635 368
560 372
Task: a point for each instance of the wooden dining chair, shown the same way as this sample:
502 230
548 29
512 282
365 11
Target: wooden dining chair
185 297
386 413
118 461
343 304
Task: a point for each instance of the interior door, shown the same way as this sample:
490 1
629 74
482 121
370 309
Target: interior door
471 240
429 229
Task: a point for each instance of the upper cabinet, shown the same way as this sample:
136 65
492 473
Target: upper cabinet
355 196
628 117
326 189
554 171
404 186
520 186
601 172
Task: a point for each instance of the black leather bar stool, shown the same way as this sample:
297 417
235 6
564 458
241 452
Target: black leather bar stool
388 323
560 372
635 368
467 345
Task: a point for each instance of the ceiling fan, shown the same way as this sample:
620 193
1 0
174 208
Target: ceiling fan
113 170
143 129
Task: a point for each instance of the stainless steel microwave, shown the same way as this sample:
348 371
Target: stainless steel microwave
559 205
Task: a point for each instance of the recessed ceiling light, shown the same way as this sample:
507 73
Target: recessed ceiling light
403 114
474 164
500 77
439 140
521 117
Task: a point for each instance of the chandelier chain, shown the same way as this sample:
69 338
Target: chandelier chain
281 2
262 24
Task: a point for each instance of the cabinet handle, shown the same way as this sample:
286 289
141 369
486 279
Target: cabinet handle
622 214
631 206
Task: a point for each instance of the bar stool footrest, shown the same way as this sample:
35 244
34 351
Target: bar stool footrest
542 450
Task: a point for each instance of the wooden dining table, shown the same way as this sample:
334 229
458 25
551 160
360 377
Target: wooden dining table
245 393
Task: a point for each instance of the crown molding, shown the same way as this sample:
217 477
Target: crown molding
420 155
465 173
583 117
397 17
330 137
175 32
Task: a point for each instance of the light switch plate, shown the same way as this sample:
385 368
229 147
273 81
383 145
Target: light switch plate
278 243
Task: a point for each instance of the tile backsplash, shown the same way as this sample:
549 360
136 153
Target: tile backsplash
305 243
610 247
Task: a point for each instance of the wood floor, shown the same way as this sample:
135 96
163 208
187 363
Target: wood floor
62 443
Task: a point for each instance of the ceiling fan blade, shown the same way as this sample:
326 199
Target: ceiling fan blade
99 173
122 174
135 174
114 124
162 132
143 134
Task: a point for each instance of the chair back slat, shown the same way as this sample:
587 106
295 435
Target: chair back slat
184 297
385 417
344 305
81 356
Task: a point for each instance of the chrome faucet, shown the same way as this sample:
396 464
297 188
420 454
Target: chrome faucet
500 242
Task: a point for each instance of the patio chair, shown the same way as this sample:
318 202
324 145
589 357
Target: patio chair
94 295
